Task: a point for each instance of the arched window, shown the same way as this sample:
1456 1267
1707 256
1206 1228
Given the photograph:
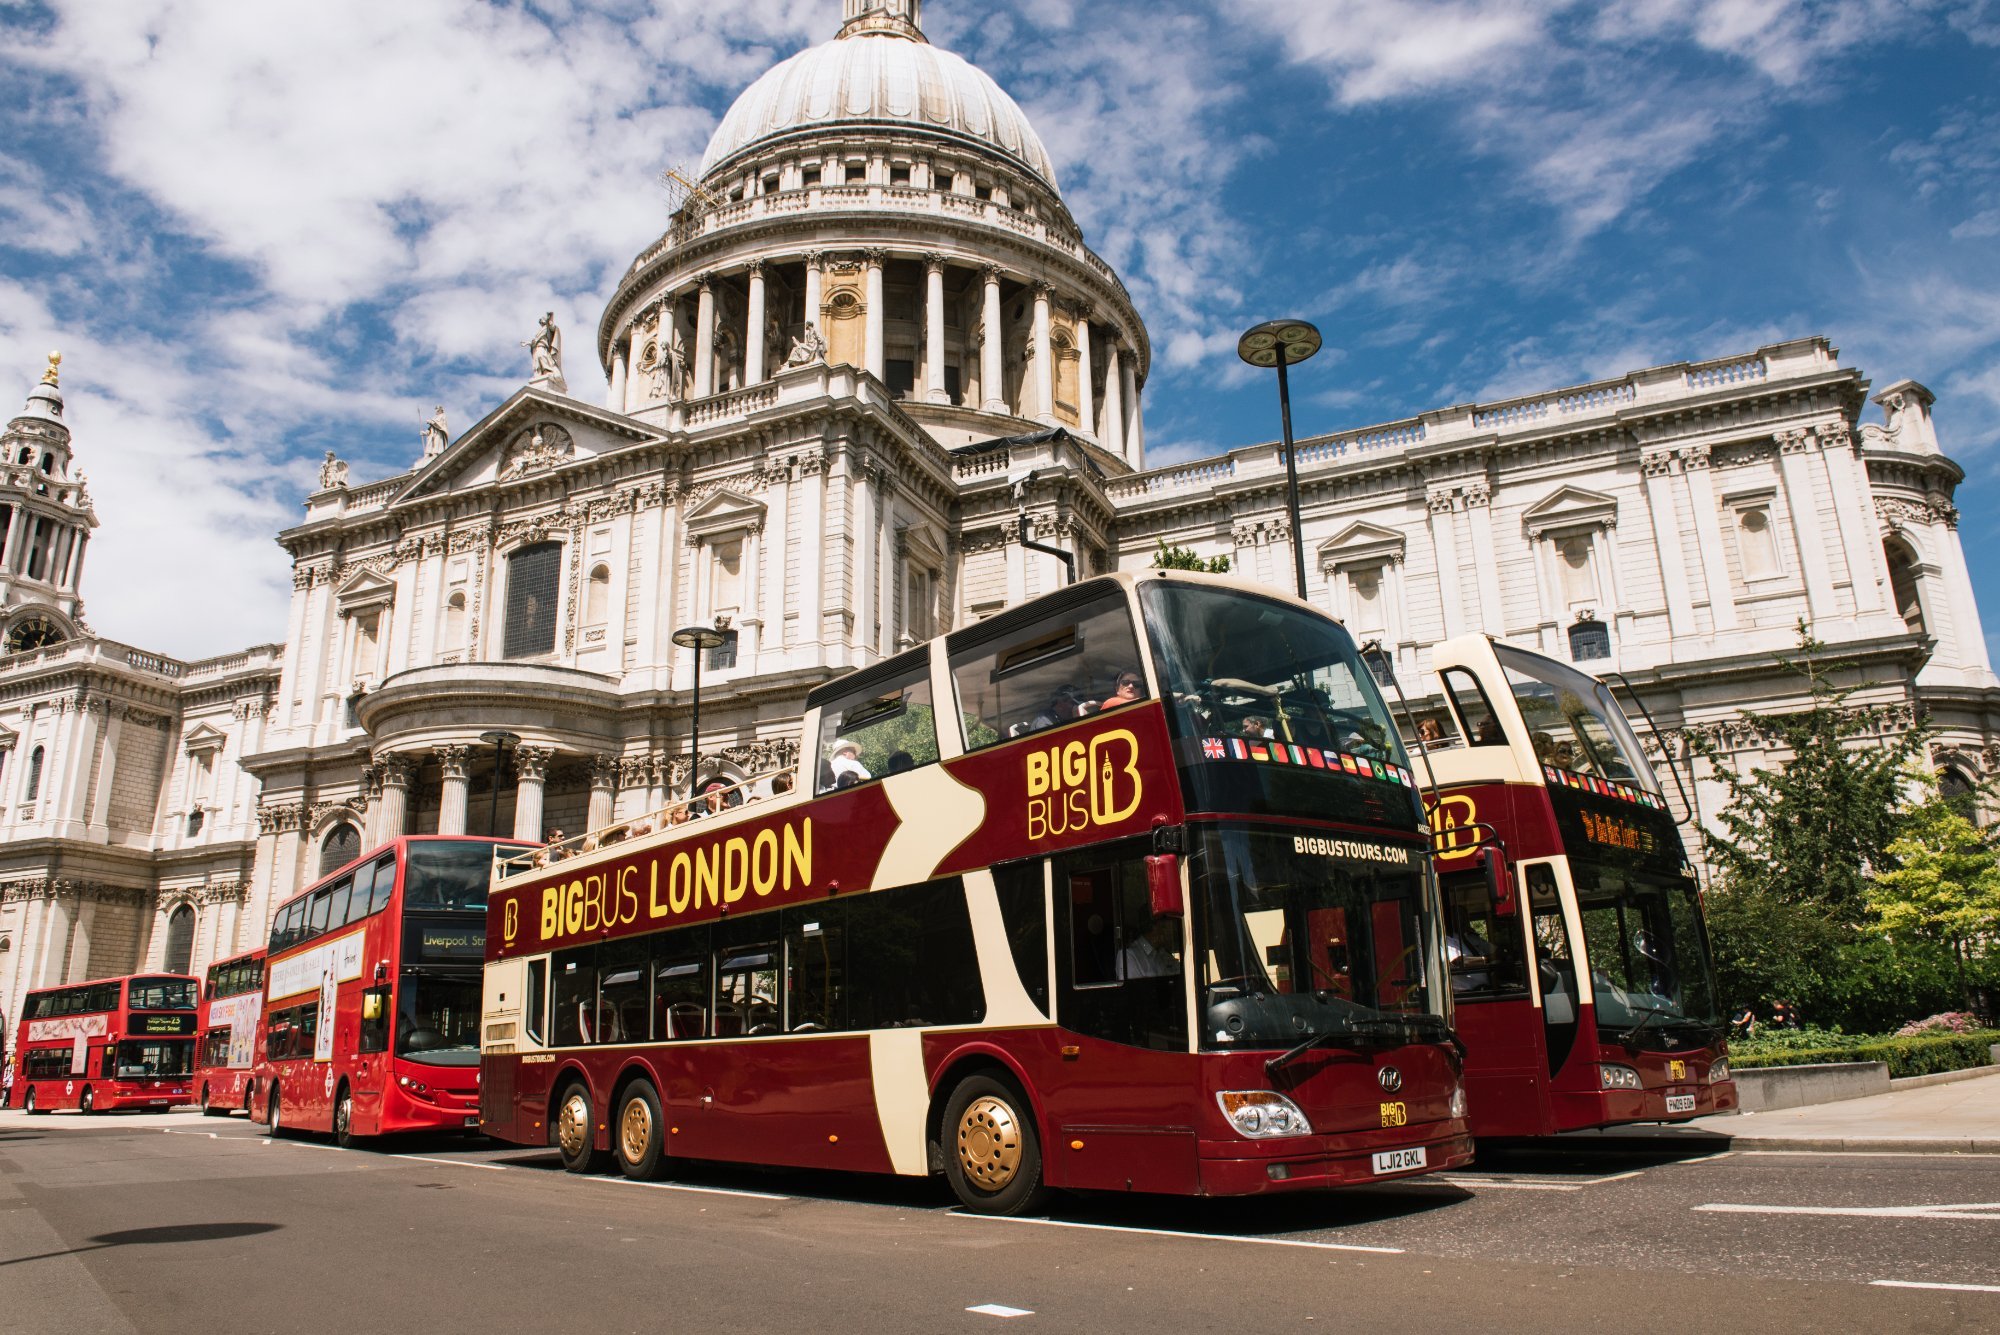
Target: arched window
1589 639
454 622
34 774
179 954
340 847
599 598
1756 544
532 577
1903 583
1959 791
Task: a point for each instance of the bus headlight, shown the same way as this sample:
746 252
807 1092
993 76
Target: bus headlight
1262 1115
1617 1077
1458 1104
1718 1070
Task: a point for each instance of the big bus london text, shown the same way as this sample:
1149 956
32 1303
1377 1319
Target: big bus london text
1584 990
113 1043
1125 888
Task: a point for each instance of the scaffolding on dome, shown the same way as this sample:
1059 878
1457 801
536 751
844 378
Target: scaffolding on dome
685 196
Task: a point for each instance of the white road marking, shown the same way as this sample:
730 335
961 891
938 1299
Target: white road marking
1501 1184
1171 1233
1967 1155
1983 1210
1919 1284
683 1186
995 1309
459 1163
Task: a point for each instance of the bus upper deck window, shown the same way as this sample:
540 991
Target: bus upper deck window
1054 670
884 724
1482 725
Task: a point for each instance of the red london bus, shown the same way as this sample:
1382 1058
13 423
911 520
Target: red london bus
115 1043
1126 888
1580 969
226 1036
371 994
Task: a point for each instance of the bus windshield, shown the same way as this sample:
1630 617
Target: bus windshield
1649 963
1573 721
1243 667
437 1018
1304 936
449 876
137 1059
161 994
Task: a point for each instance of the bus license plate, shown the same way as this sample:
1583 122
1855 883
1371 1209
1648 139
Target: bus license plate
1680 1103
472 1121
1399 1161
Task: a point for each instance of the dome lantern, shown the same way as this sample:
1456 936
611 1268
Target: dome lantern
897 18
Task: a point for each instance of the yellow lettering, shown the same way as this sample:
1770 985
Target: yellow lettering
1105 808
764 863
707 864
1038 774
680 884
799 855
1038 818
1074 770
573 906
628 898
654 907
551 911
735 869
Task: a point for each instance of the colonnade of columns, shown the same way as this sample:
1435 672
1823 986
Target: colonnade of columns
746 334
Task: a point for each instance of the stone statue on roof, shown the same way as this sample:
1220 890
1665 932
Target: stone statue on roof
807 348
437 434
332 472
545 348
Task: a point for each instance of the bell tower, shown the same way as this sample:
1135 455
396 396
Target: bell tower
896 18
45 521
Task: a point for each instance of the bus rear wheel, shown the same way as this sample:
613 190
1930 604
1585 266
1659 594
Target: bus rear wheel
992 1156
640 1145
576 1130
343 1120
28 1103
88 1103
273 1125
208 1107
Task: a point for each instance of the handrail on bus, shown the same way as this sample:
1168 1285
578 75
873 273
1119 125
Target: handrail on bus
1694 812
638 827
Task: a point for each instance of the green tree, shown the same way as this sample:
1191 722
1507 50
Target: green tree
1184 558
1809 832
1945 884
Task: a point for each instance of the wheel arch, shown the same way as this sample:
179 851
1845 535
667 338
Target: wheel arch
979 1059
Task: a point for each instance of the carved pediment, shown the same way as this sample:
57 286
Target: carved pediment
1568 508
7 738
724 512
363 589
532 434
203 737
1361 544
923 546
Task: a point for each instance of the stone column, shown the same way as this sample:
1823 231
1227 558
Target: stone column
53 952
1128 385
934 328
531 771
876 355
991 387
1658 471
456 761
1795 451
614 399
1113 435
1044 368
634 392
1137 449
1485 558
815 294
392 816
603 791
704 342
753 333
1086 393
1444 541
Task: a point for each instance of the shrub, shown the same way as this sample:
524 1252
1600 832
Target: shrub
1949 1022
1905 1056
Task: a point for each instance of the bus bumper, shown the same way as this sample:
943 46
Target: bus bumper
1334 1162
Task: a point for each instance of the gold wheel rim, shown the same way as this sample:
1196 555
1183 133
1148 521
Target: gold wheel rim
989 1143
573 1127
635 1130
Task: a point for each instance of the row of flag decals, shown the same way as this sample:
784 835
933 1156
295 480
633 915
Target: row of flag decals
1590 783
1311 757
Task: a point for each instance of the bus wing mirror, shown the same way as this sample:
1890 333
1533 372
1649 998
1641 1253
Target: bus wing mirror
1499 882
1163 883
371 1005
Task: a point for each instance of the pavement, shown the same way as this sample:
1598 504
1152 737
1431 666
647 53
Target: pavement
1960 1117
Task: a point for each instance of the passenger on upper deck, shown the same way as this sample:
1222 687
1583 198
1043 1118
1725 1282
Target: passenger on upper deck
847 767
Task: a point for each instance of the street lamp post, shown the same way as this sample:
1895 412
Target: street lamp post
499 741
700 639
1281 343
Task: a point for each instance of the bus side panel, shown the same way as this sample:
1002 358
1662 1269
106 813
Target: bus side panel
795 1102
1505 1068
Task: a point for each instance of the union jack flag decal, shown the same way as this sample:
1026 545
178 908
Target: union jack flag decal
1212 748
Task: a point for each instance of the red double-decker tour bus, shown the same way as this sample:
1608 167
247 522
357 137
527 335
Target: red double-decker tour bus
1579 961
1125 888
115 1043
371 994
226 1035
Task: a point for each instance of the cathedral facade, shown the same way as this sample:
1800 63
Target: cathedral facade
872 355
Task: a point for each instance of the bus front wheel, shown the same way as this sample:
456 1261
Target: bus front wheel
576 1131
641 1140
343 1120
28 1103
273 1125
88 1103
992 1156
208 1107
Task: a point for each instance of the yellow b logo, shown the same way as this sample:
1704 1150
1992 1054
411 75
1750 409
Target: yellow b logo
1395 1114
511 920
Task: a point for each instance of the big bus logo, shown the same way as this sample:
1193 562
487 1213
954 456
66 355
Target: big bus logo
510 921
1450 817
1080 784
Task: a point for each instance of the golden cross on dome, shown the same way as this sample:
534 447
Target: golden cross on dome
49 376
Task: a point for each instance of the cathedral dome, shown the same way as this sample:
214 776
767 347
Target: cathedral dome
879 72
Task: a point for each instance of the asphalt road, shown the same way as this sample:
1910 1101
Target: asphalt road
182 1224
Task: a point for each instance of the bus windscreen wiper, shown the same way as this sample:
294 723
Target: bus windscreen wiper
1630 1037
1362 1031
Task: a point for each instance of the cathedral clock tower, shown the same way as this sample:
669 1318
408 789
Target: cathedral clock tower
45 522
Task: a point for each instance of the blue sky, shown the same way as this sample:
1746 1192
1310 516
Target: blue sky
260 232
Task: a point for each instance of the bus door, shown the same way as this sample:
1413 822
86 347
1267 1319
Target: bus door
1121 980
1488 952
1555 968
